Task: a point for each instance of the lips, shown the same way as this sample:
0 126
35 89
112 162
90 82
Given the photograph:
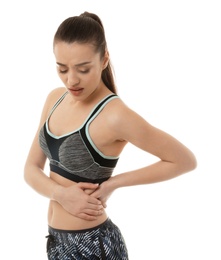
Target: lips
76 91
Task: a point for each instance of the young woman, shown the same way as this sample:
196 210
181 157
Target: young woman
83 129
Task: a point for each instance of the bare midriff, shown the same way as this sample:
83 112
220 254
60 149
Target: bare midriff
59 218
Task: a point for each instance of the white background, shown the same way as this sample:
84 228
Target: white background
167 61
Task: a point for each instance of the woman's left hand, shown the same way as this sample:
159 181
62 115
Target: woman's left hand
103 192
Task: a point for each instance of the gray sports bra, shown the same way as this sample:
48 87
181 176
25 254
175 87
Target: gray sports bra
74 155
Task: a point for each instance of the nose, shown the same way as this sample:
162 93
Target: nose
73 79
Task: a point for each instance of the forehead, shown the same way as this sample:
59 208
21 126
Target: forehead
74 53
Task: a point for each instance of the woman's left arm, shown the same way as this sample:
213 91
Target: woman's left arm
174 157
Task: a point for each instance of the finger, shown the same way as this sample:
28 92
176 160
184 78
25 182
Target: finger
92 206
86 185
89 191
96 194
104 204
94 213
87 217
93 200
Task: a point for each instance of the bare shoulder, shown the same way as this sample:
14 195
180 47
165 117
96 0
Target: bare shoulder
51 99
120 111
55 94
119 116
116 109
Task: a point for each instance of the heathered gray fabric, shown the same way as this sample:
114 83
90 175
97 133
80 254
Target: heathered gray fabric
71 154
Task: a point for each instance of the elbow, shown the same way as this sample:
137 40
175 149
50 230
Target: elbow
190 163
193 162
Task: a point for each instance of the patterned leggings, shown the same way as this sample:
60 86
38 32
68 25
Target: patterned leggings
103 242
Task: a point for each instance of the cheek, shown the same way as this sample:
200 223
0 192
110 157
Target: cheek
94 76
62 77
97 77
99 72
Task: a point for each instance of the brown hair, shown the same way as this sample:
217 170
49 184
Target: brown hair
87 28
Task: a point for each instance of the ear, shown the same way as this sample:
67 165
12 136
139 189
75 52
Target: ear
106 59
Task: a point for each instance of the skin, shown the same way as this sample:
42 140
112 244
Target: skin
82 205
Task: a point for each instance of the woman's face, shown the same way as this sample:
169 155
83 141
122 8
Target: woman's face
79 67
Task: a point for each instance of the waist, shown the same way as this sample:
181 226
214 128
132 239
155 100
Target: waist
59 218
72 231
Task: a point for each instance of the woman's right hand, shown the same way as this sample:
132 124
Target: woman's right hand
79 203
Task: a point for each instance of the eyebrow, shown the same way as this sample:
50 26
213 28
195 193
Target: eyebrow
76 65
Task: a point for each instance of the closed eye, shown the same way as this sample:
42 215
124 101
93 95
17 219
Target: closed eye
84 71
62 71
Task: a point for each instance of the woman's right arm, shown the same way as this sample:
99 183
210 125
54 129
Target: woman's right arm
73 199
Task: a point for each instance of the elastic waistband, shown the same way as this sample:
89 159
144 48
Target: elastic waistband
81 230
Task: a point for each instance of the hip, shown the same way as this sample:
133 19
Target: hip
104 241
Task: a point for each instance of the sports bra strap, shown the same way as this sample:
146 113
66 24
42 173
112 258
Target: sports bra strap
99 106
57 103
